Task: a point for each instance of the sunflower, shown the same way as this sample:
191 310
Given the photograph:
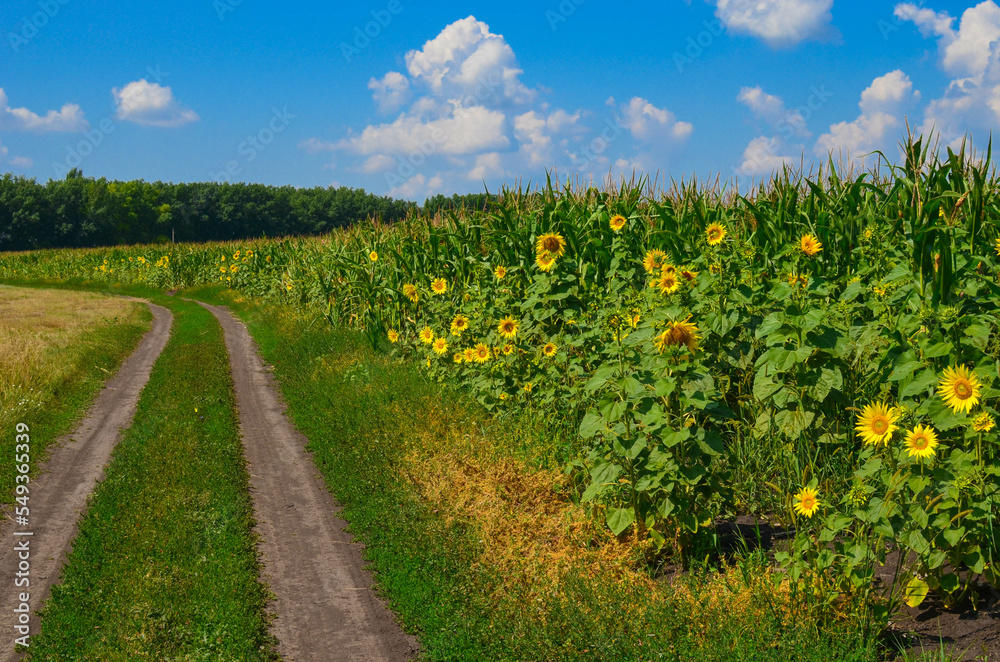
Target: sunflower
959 388
458 358
549 349
459 324
810 245
508 349
469 354
997 247
667 283
617 222
426 335
921 441
877 423
481 353
528 387
439 286
500 272
393 335
545 261
508 327
715 233
551 243
677 334
806 502
983 423
653 261
373 256
440 346
410 292
689 275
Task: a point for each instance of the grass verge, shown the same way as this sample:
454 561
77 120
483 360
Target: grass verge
164 566
473 539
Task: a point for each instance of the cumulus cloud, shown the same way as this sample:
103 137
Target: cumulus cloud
772 110
647 122
391 92
465 131
150 104
487 166
780 23
879 122
16 161
537 132
68 118
761 157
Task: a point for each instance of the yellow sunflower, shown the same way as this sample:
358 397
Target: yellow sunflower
807 502
508 327
426 335
545 261
983 423
410 292
678 333
959 388
715 233
393 335
469 354
997 247
551 243
508 349
668 283
653 261
481 353
458 358
459 324
689 275
921 441
877 423
439 286
440 346
500 272
810 245
373 256
617 222
549 349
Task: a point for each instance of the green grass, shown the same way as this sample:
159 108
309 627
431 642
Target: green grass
363 411
164 566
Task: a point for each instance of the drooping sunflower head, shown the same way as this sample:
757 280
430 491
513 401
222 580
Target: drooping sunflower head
617 222
440 346
921 441
508 327
439 286
426 335
983 423
481 353
959 388
689 275
654 260
410 292
810 245
549 349
877 423
668 283
373 256
715 233
682 333
545 261
500 272
807 502
393 336
551 243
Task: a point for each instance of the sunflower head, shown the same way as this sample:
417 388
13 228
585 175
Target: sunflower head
469 355
983 423
528 387
921 442
877 423
481 353
715 233
508 349
410 292
549 349
807 502
668 283
689 275
653 260
373 256
545 261
810 245
458 357
677 334
959 388
617 222
551 243
439 286
459 324
508 327
426 335
440 346
393 335
500 272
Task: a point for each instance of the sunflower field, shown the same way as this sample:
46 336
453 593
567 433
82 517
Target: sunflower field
824 354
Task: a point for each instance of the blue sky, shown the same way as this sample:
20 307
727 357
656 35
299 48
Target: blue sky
412 98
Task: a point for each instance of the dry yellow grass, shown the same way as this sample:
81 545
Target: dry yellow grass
40 334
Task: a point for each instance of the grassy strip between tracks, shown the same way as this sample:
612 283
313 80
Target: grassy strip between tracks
164 566
475 550
57 366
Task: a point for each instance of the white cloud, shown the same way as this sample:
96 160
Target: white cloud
150 104
378 163
879 123
68 118
535 132
778 22
16 161
390 93
466 131
772 110
647 122
761 158
487 166
418 186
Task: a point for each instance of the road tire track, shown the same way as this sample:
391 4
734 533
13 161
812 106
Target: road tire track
326 608
58 495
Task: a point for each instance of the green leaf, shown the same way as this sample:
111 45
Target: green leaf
620 519
591 424
920 384
829 379
938 349
954 536
851 292
949 582
916 592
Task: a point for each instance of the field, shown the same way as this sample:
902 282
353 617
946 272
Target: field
630 424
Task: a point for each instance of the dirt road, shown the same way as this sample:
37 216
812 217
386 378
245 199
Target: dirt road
325 605
58 496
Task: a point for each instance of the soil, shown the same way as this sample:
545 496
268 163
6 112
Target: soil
58 495
325 607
